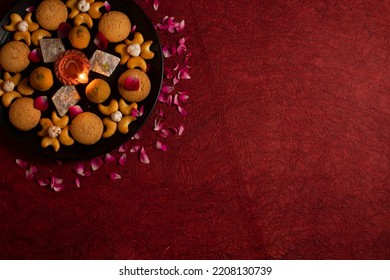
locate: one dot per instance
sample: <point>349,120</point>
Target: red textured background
<point>285,155</point>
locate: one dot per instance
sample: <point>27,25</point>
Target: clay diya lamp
<point>72,68</point>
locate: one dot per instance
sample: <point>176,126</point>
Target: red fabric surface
<point>285,154</point>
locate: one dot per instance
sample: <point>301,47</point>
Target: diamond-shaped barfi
<point>51,49</point>
<point>65,97</point>
<point>104,63</point>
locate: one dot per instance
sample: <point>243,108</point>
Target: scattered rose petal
<point>136,136</point>
<point>135,149</point>
<point>161,146</point>
<point>175,80</point>
<point>101,41</point>
<point>79,168</point>
<point>63,30</point>
<point>41,103</point>
<point>182,111</point>
<point>169,73</point>
<point>123,159</point>
<point>181,26</point>
<point>158,125</point>
<point>96,163</point>
<point>115,176</point>
<point>167,89</point>
<point>43,183</point>
<point>122,148</point>
<point>21,163</point>
<point>77,182</point>
<point>180,129</point>
<point>176,100</point>
<point>29,175</point>
<point>74,111</point>
<point>35,55</point>
<point>168,51</point>
<point>134,28</point>
<point>31,9</point>
<point>183,74</point>
<point>143,156</point>
<point>33,169</point>
<point>160,113</point>
<point>155,4</point>
<point>132,83</point>
<point>57,184</point>
<point>109,158</point>
<point>107,6</point>
<point>164,133</point>
<point>137,113</point>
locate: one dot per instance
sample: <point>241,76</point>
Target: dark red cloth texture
<point>285,154</point>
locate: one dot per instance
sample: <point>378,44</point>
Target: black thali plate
<point>30,140</point>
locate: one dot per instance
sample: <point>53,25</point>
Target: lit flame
<point>83,78</point>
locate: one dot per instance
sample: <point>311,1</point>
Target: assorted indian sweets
<point>35,61</point>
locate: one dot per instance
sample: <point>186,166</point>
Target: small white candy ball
<point>23,26</point>
<point>54,131</point>
<point>116,116</point>
<point>8,86</point>
<point>84,6</point>
<point>134,49</point>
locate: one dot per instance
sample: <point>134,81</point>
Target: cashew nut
<point>74,9</point>
<point>64,137</point>
<point>47,141</point>
<point>38,35</point>
<point>123,125</point>
<point>32,26</point>
<point>137,62</point>
<point>23,87</point>
<point>8,97</point>
<point>1,87</point>
<point>83,18</point>
<point>110,108</point>
<point>126,108</point>
<point>46,124</point>
<point>13,26</point>
<point>110,127</point>
<point>60,122</point>
<point>138,39</point>
<point>146,53</point>
<point>122,50</point>
<point>25,36</point>
<point>94,10</point>
<point>15,78</point>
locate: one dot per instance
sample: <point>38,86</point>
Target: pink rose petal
<point>160,113</point>
<point>182,111</point>
<point>168,51</point>
<point>41,103</point>
<point>101,41</point>
<point>158,125</point>
<point>107,6</point>
<point>122,148</point>
<point>43,183</point>
<point>143,156</point>
<point>77,182</point>
<point>123,159</point>
<point>167,89</point>
<point>74,111</point>
<point>135,149</point>
<point>63,30</point>
<point>33,169</point>
<point>57,184</point>
<point>79,168</point>
<point>180,130</point>
<point>109,158</point>
<point>183,74</point>
<point>163,133</point>
<point>181,26</point>
<point>29,175</point>
<point>134,28</point>
<point>137,113</point>
<point>132,83</point>
<point>35,55</point>
<point>31,9</point>
<point>137,136</point>
<point>114,176</point>
<point>155,4</point>
<point>21,163</point>
<point>96,163</point>
<point>161,146</point>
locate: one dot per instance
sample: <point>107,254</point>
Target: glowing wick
<point>83,78</point>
